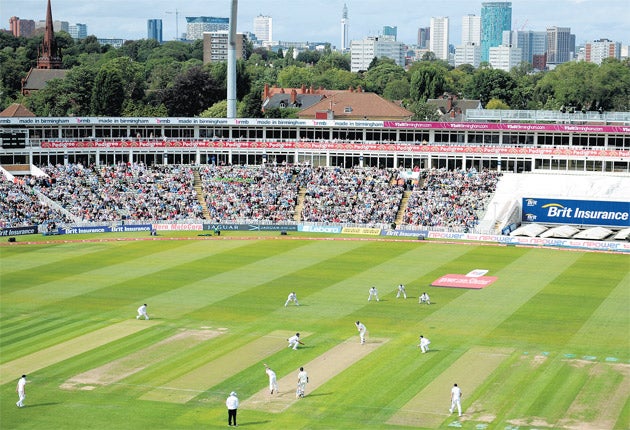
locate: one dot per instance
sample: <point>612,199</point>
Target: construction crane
<point>176,13</point>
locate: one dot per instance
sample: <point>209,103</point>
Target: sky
<point>319,20</point>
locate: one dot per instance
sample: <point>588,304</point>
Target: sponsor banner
<point>129,228</point>
<point>177,227</point>
<point>476,273</point>
<point>84,230</point>
<point>618,246</point>
<point>361,230</point>
<point>463,281</point>
<point>18,231</point>
<point>249,227</point>
<point>336,146</point>
<point>428,125</point>
<point>580,212</point>
<point>405,233</point>
<point>320,228</point>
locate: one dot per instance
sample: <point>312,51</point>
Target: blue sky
<point>319,20</point>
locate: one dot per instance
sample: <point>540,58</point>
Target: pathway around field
<point>429,408</point>
<point>190,385</point>
<point>46,357</point>
<point>126,366</point>
<point>320,370</point>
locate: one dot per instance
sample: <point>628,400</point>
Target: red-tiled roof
<point>16,110</point>
<point>357,105</point>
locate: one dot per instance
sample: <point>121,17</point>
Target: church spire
<point>49,52</point>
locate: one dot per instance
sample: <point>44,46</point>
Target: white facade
<point>439,37</point>
<point>504,57</point>
<point>468,54</point>
<point>598,50</point>
<point>263,29</point>
<point>362,52</point>
<point>471,30</point>
<point>344,30</point>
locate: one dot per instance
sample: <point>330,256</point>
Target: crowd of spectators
<point>20,206</point>
<point>450,198</point>
<point>232,193</point>
<point>125,191</point>
<point>266,192</point>
<point>356,196</point>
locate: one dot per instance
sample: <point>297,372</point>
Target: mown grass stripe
<point>190,385</point>
<point>429,408</point>
<point>86,277</point>
<point>63,351</point>
<point>320,370</point>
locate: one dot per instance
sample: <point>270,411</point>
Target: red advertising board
<point>463,281</point>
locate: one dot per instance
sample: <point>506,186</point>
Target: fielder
<point>424,344</point>
<point>301,383</point>
<point>21,391</point>
<point>401,290</point>
<point>424,298</point>
<point>362,329</point>
<point>456,400</point>
<point>273,383</point>
<point>292,298</point>
<point>294,341</point>
<point>373,294</point>
<point>142,312</point>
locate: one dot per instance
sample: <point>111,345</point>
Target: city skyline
<point>319,21</point>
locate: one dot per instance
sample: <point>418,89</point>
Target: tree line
<point>145,78</point>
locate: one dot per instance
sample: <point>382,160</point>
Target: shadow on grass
<point>37,405</point>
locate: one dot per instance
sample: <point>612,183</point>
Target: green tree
<point>487,84</point>
<point>295,77</point>
<point>217,110</point>
<point>398,89</point>
<point>384,71</point>
<point>422,111</point>
<point>108,93</point>
<point>427,81</point>
<point>497,104</point>
<point>193,91</point>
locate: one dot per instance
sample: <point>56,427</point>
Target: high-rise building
<point>263,29</point>
<point>345,42</point>
<point>438,43</point>
<point>215,46</point>
<point>598,50</point>
<point>504,57</point>
<point>471,30</point>
<point>57,26</point>
<point>496,17</point>
<point>468,54</point>
<point>390,31</point>
<point>21,27</point>
<point>424,35</point>
<point>78,31</point>
<point>531,43</point>
<point>197,25</point>
<point>560,45</point>
<point>154,29</point>
<point>362,52</point>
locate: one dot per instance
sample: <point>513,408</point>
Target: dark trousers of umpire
<point>232,416</point>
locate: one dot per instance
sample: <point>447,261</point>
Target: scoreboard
<point>13,139</point>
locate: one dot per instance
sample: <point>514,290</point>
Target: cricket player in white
<point>456,400</point>
<point>294,341</point>
<point>424,298</point>
<point>301,384</point>
<point>273,384</point>
<point>292,298</point>
<point>401,290</point>
<point>362,329</point>
<point>21,391</point>
<point>142,312</point>
<point>373,294</point>
<point>424,344</point>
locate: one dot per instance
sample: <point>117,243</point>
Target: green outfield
<point>547,346</point>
